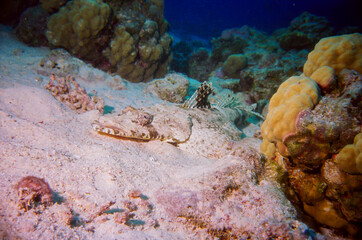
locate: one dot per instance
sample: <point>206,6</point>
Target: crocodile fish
<point>200,131</point>
<point>160,122</point>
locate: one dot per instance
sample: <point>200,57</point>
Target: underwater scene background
<point>153,119</point>
<point>207,19</point>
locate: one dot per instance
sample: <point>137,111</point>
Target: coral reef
<point>140,48</point>
<point>227,45</point>
<point>305,31</point>
<point>33,191</point>
<point>13,10</point>
<point>31,27</point>
<point>173,87</point>
<point>74,97</point>
<point>267,63</point>
<point>313,149</point>
<point>266,70</point>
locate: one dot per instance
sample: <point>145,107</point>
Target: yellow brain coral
<point>293,96</point>
<point>338,52</point>
<point>325,77</point>
<point>349,158</point>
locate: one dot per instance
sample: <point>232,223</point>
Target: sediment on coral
<point>173,87</point>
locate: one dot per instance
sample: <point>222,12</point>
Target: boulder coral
<point>233,65</point>
<point>349,159</point>
<point>32,25</point>
<point>140,48</point>
<point>313,134</point>
<point>76,24</point>
<point>337,52</point>
<point>293,96</point>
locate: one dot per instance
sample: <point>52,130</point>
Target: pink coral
<point>74,97</point>
<point>33,191</point>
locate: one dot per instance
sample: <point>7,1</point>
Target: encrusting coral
<point>74,97</point>
<point>314,139</point>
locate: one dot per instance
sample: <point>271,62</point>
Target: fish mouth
<point>120,133</point>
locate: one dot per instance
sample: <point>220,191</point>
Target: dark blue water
<point>207,18</point>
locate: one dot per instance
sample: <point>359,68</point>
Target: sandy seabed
<point>109,188</point>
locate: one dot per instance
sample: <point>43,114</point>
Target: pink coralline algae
<point>33,191</point>
<point>69,92</point>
